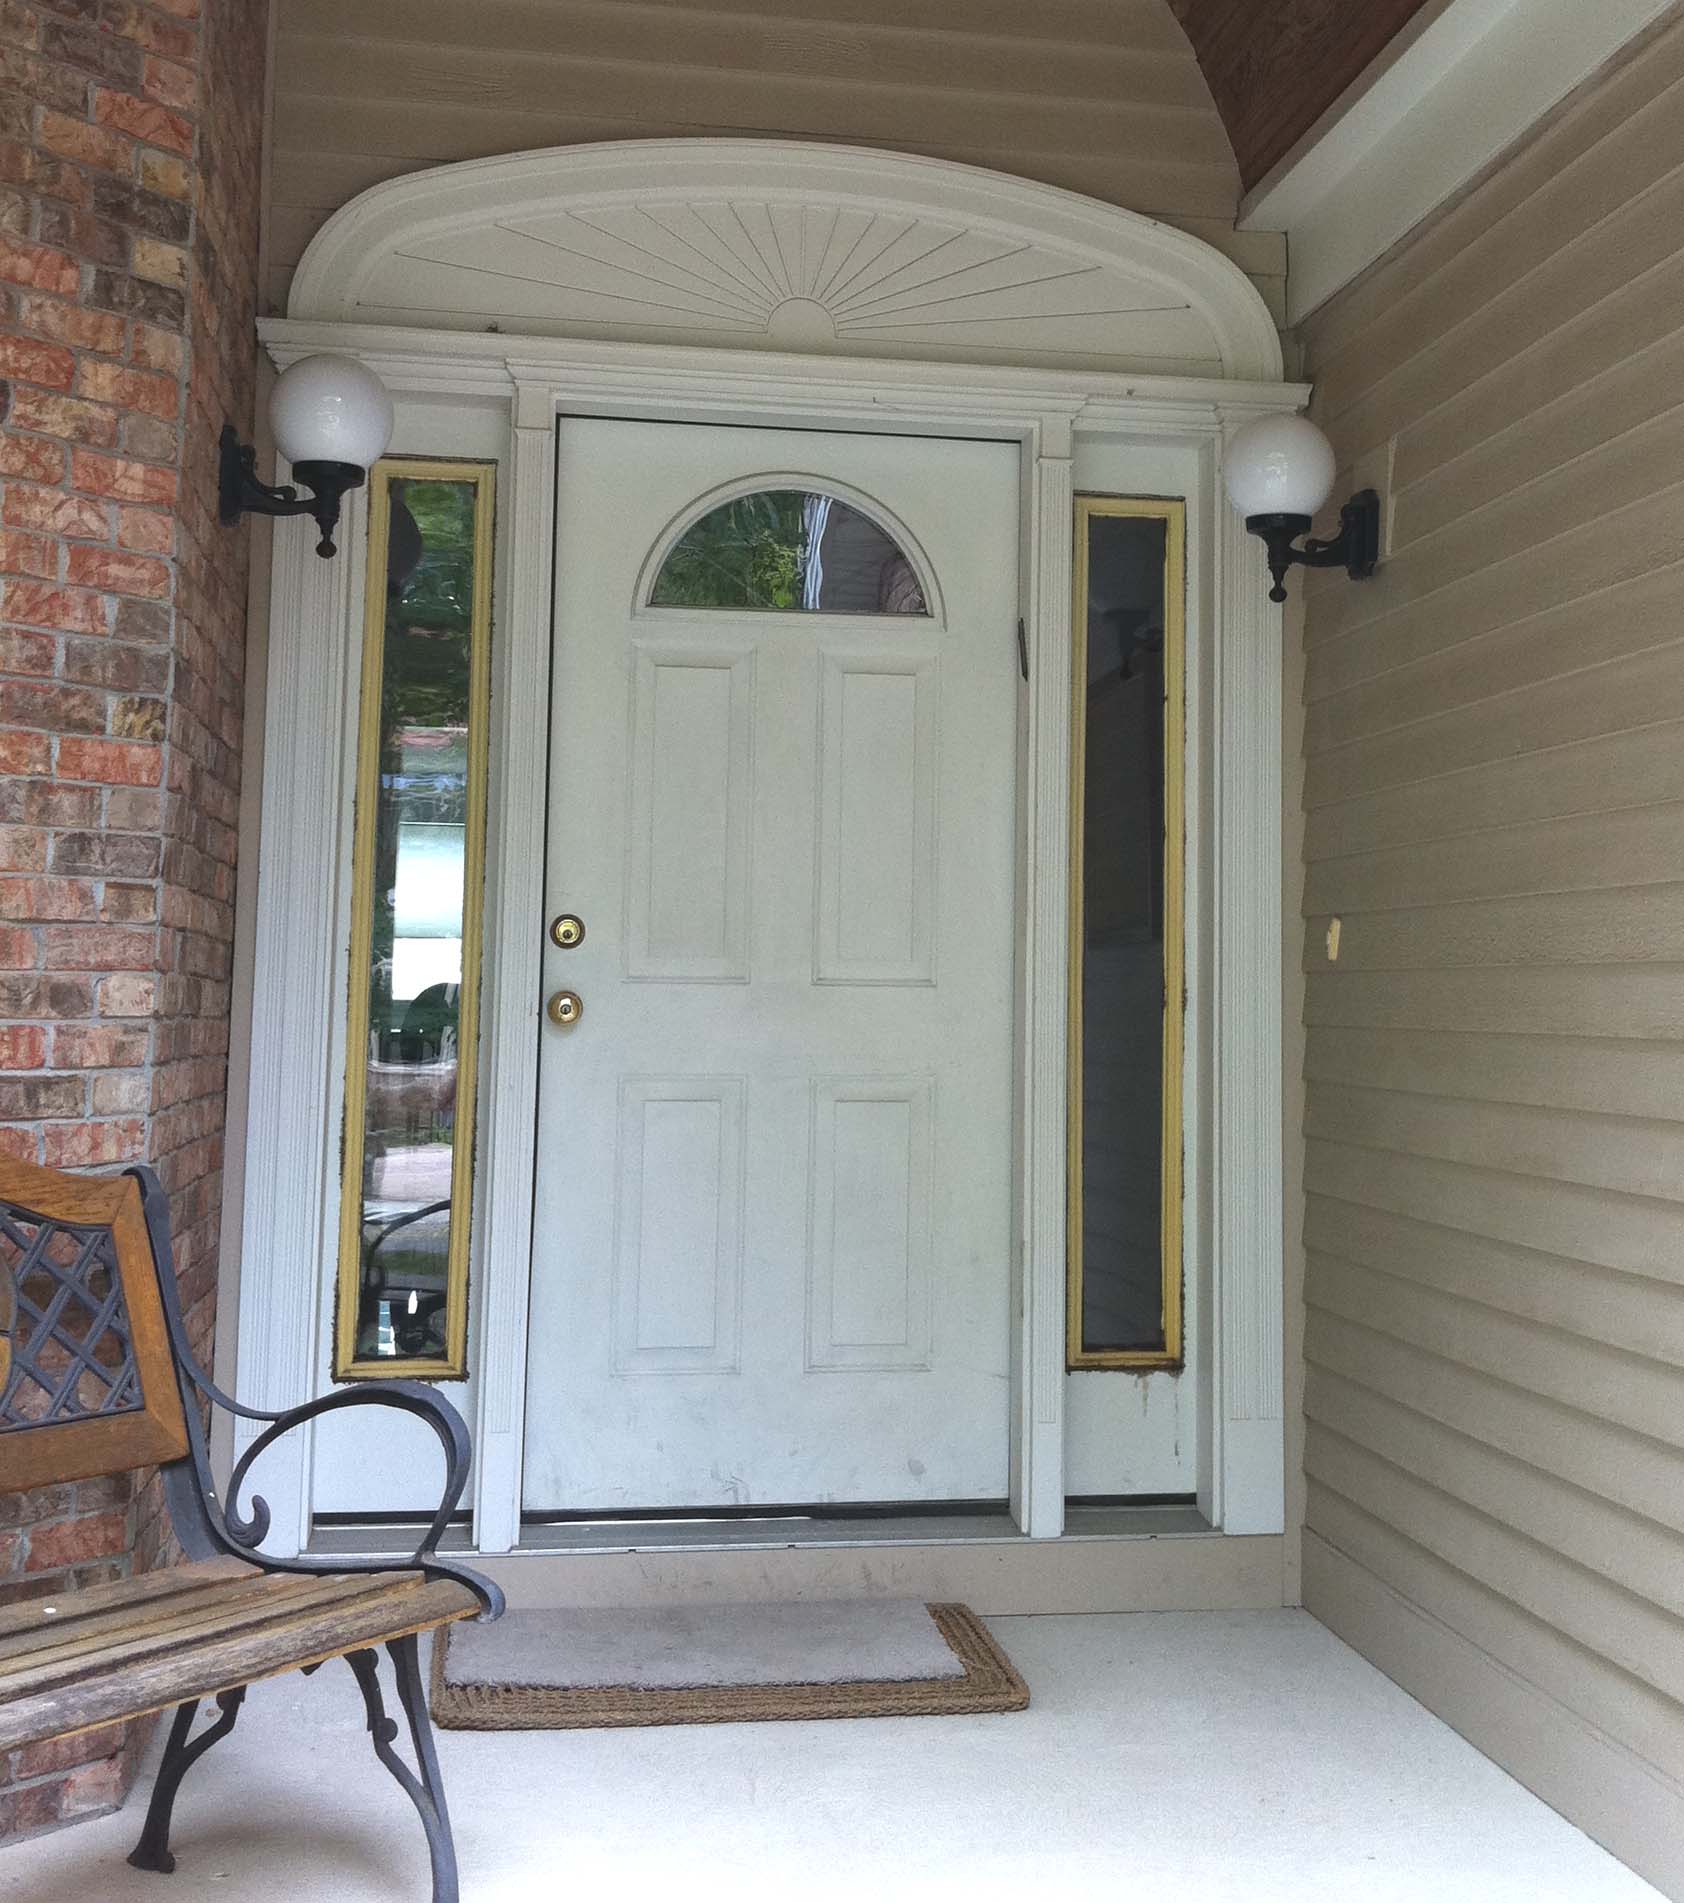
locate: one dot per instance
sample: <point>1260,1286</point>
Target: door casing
<point>470,388</point>
<point>1234,1129</point>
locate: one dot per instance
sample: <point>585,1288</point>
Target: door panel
<point>773,1254</point>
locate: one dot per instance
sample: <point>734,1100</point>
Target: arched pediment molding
<point>781,245</point>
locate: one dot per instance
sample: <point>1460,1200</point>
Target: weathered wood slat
<point>41,1624</point>
<point>168,1582</point>
<point>66,1644</point>
<point>279,1630</point>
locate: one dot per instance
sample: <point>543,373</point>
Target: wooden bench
<point>97,1377</point>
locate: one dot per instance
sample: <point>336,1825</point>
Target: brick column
<point>130,141</point>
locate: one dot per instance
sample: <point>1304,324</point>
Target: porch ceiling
<point>1275,66</point>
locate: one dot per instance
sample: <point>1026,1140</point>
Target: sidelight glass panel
<point>415,933</point>
<point>789,551</point>
<point>1126,963</point>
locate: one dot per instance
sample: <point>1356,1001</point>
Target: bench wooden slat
<point>65,1644</point>
<point>23,1615</point>
<point>64,1654</point>
<point>126,1677</point>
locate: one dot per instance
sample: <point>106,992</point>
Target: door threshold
<point>776,1533</point>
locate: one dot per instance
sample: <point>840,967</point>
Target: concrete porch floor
<point>1202,1755</point>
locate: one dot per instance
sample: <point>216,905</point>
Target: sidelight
<point>415,931</point>
<point>1127,986</point>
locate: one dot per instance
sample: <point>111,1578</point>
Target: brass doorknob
<point>564,1010</point>
<point>567,931</point>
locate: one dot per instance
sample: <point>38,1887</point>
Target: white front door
<point>772,1242</point>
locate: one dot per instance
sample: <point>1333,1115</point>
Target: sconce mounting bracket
<point>241,493</point>
<point>1356,548</point>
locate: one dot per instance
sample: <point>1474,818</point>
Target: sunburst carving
<point>802,277</point>
<point>767,245</point>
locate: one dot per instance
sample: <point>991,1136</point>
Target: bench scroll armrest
<point>246,1530</point>
<point>206,1525</point>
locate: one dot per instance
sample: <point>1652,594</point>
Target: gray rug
<point>824,1643</point>
<point>712,1664</point>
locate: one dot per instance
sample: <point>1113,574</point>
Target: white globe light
<point>1279,465</point>
<point>331,410</point>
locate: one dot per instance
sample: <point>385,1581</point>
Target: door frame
<point>453,384</point>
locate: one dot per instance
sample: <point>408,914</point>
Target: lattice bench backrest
<point>87,1378</point>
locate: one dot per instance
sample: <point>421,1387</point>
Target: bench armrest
<point>206,1525</point>
<point>246,1530</point>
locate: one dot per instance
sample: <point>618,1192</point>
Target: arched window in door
<point>789,551</point>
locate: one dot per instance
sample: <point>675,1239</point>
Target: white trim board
<point>1459,92</point>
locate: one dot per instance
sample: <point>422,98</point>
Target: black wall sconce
<point>1278,472</point>
<point>332,419</point>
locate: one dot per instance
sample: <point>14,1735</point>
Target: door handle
<point>564,1010</point>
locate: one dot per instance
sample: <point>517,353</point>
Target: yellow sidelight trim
<point>453,1364</point>
<point>1173,514</point>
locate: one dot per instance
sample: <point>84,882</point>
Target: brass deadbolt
<point>564,1010</point>
<point>567,931</point>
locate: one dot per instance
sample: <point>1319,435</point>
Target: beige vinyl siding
<point>1099,96</point>
<point>1494,1068</point>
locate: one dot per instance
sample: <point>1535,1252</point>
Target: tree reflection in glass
<point>789,551</point>
<point>414,1152</point>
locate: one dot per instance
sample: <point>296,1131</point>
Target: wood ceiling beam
<point>1275,66</point>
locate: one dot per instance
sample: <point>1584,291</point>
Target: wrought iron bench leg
<point>426,1792</point>
<point>153,1850</point>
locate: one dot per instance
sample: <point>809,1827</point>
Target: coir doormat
<point>711,1665</point>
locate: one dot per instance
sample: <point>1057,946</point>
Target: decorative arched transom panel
<point>765,244</point>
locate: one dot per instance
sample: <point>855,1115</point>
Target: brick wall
<point>130,139</point>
